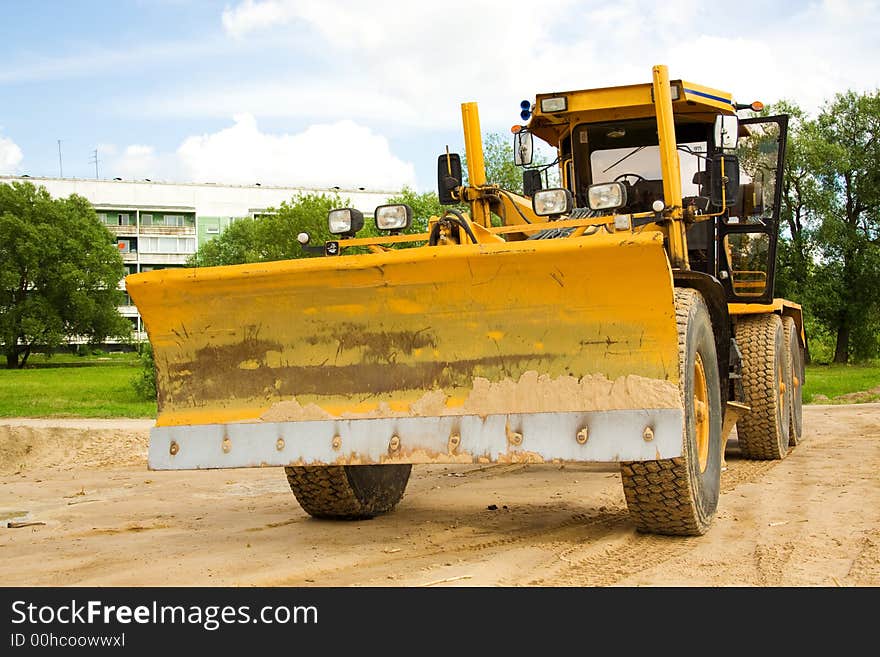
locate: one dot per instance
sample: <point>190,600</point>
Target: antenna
<point>95,160</point>
<point>60,167</point>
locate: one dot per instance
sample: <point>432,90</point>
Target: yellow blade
<point>543,325</point>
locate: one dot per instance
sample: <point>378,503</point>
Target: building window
<point>173,220</point>
<point>147,219</point>
<point>123,219</point>
<point>213,230</point>
<point>168,245</point>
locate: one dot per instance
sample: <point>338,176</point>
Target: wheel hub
<point>701,413</point>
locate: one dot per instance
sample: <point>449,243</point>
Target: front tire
<point>348,492</point>
<point>679,496</point>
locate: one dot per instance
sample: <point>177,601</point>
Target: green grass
<point>66,385</point>
<point>835,380</point>
<point>66,359</point>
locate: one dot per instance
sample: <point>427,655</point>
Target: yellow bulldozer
<point>626,316</point>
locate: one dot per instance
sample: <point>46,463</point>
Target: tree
<point>273,235</point>
<point>846,159</point>
<point>59,271</point>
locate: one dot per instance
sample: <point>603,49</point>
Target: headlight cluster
<point>549,202</point>
<point>345,221</point>
<point>393,217</point>
<point>348,221</point>
<point>607,196</point>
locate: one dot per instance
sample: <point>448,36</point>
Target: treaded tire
<point>796,354</point>
<point>763,432</point>
<point>348,492</point>
<point>673,496</point>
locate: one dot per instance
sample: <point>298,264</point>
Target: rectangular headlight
<point>393,217</point>
<point>552,201</point>
<point>607,196</point>
<point>345,221</point>
<point>555,104</point>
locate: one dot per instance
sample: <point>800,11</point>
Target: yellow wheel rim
<point>781,375</point>
<point>701,412</point>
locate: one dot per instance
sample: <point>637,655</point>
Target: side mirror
<point>723,188</point>
<point>532,182</point>
<point>448,178</point>
<point>726,131</point>
<point>523,145</point>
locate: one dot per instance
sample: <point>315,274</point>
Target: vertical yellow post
<point>476,165</point>
<point>670,167</point>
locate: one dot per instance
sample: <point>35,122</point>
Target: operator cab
<point>608,138</point>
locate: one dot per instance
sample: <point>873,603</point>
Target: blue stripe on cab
<point>709,96</point>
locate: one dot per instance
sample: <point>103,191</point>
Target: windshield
<point>628,152</point>
<point>644,161</point>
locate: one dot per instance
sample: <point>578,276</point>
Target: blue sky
<point>340,92</point>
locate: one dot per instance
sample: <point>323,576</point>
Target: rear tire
<point>679,496</point>
<point>348,492</point>
<point>796,353</point>
<point>763,432</point>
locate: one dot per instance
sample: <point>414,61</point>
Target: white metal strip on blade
<point>610,436</point>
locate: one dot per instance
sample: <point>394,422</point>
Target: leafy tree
<point>846,159</point>
<point>272,236</point>
<point>59,271</point>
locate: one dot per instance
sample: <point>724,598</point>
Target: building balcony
<point>131,256</point>
<point>164,258</point>
<point>123,231</point>
<point>127,311</point>
<point>139,336</point>
<point>132,231</point>
<point>168,230</point>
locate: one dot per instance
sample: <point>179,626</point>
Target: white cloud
<point>424,59</point>
<point>250,16</point>
<point>10,155</point>
<point>139,161</point>
<point>323,155</point>
<point>342,153</point>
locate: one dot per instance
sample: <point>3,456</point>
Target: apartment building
<point>161,224</point>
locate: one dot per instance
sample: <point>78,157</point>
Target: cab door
<point>748,233</point>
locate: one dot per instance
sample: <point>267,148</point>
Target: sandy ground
<point>810,520</point>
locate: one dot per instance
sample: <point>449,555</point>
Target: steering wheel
<point>627,175</point>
